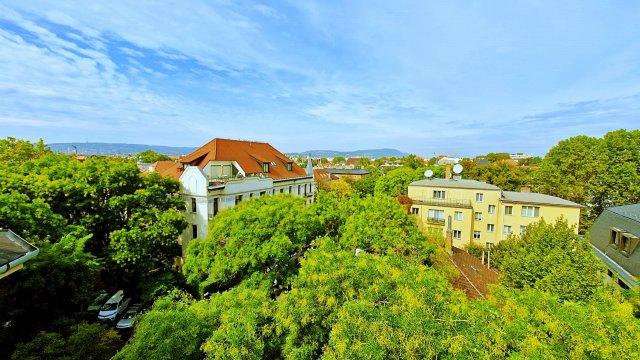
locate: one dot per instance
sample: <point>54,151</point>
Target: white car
<point>113,307</point>
<point>127,319</point>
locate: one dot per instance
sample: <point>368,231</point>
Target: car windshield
<point>109,306</point>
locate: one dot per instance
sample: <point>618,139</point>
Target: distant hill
<point>132,149</point>
<point>371,153</point>
<point>117,149</point>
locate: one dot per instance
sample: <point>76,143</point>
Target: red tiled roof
<point>321,174</point>
<point>352,161</point>
<point>168,168</point>
<point>475,277</point>
<point>250,155</point>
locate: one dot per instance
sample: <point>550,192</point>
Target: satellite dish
<point>428,173</point>
<point>457,168</point>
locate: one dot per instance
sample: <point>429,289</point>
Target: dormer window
<point>289,166</point>
<point>265,167</point>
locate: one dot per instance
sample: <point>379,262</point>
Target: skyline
<point>452,79</point>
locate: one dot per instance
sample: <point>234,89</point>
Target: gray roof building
<point>614,238</point>
<point>536,198</point>
<point>456,184</point>
<point>14,251</point>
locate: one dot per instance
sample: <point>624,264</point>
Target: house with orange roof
<point>223,173</point>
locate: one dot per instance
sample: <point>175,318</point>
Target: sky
<point>461,78</point>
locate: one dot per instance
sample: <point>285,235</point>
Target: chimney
<point>525,189</point>
<point>447,171</point>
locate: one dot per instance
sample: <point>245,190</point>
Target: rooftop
<point>250,155</point>
<point>14,250</point>
<point>348,171</point>
<point>629,211</point>
<point>536,198</point>
<point>457,184</point>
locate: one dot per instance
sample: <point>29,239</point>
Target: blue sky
<point>459,78</point>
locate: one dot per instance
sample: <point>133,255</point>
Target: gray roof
<point>14,250</point>
<point>600,233</point>
<point>536,198</point>
<point>629,211</point>
<point>348,171</point>
<point>457,184</point>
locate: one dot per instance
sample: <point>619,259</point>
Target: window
<point>479,197</point>
<point>238,199</point>
<point>193,205</point>
<point>281,190</point>
<point>476,235</point>
<point>290,188</point>
<point>625,241</point>
<point>289,166</point>
<point>415,211</point>
<point>530,211</point>
<point>614,239</point>
<point>478,216</point>
<point>491,228</point>
<point>299,187</point>
<point>457,234</point>
<point>609,273</point>
<point>492,209</point>
<point>250,195</point>
<point>522,229</point>
<point>438,194</point>
<point>194,231</point>
<point>436,216</point>
<point>215,206</point>
<point>263,193</point>
<point>508,210</point>
<point>622,284</point>
<point>506,229</point>
<point>458,215</point>
<point>265,167</point>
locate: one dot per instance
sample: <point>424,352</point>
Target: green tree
<point>149,156</point>
<point>551,257</point>
<point>501,174</point>
<point>366,185</point>
<point>18,151</point>
<point>412,161</point>
<point>493,157</point>
<point>338,159</point>
<point>33,220</point>
<point>265,235</point>
<point>396,182</point>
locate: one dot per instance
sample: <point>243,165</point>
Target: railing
<point>456,203</point>
<point>435,221</point>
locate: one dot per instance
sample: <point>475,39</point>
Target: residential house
<point>223,172</point>
<point>470,211</point>
<point>614,239</point>
<point>14,252</point>
<point>447,160</point>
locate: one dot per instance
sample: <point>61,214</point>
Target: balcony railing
<point>455,203</point>
<point>435,221</point>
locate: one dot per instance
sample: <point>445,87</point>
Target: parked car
<point>113,307</point>
<point>97,303</point>
<point>127,319</point>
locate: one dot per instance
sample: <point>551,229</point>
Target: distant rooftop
<point>536,198</point>
<point>456,184</point>
<point>348,171</point>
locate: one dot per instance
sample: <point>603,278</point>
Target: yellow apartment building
<point>477,212</point>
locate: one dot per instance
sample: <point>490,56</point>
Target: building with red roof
<point>224,172</point>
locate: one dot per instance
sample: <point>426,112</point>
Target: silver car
<point>126,321</point>
<point>113,307</point>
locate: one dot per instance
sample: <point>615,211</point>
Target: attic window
<point>614,238</point>
<point>273,163</point>
<point>289,166</point>
<point>628,243</point>
<point>265,167</point>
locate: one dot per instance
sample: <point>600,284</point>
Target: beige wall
<point>465,201</point>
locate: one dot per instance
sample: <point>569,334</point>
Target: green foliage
<point>396,182</point>
<point>597,173</point>
<point>149,156</point>
<point>338,160</point>
<point>412,161</point>
<point>366,186</point>
<point>551,257</point>
<point>15,150</point>
<point>55,284</point>
<point>501,174</point>
<point>493,157</point>
<point>261,235</point>
<point>33,220</point>
<point>85,342</point>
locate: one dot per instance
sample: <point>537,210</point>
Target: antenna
<point>457,169</point>
<point>428,173</point>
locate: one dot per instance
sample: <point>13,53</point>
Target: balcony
<point>452,203</point>
<point>435,221</point>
